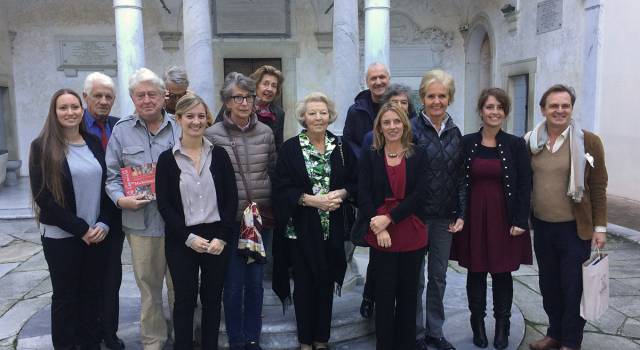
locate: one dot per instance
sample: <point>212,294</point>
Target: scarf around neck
<point>537,140</point>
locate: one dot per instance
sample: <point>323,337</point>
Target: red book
<point>138,180</point>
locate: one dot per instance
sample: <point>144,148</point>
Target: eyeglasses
<point>171,95</point>
<point>239,99</point>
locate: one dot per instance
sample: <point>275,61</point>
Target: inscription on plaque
<point>251,18</point>
<point>549,16</point>
<point>87,53</point>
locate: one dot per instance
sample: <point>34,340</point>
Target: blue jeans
<point>242,297</point>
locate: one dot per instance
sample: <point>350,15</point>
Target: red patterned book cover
<point>138,180</point>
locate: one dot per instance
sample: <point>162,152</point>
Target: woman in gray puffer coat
<point>251,147</point>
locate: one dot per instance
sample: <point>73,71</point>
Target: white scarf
<point>537,140</point>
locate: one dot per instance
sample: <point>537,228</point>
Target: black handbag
<point>355,227</point>
<point>347,207</point>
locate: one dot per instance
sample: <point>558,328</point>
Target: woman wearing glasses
<point>252,150</point>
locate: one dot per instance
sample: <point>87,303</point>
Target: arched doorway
<point>479,60</point>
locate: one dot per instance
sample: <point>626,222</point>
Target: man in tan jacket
<point>569,213</point>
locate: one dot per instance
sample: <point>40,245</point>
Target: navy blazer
<point>51,212</point>
<point>516,174</point>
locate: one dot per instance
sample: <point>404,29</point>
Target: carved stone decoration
<point>170,40</point>
<point>325,41</point>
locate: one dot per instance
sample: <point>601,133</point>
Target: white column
<point>376,32</point>
<point>589,96</point>
<point>130,46</point>
<point>198,49</point>
<point>346,75</point>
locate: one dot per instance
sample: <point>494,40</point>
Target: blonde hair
<point>188,102</point>
<point>437,76</point>
<point>301,108</point>
<point>407,134</point>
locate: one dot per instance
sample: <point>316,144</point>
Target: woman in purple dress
<point>495,238</point>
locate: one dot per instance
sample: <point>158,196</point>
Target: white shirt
<point>559,140</point>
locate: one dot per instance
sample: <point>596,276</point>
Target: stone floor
<point>25,288</point>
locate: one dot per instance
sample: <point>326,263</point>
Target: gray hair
<point>176,75</point>
<point>97,78</point>
<point>373,64</point>
<point>145,75</point>
<point>397,90</point>
<point>239,80</point>
<point>301,107</point>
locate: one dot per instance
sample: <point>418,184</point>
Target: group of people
<point>420,188</point>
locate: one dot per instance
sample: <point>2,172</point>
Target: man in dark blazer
<point>99,96</point>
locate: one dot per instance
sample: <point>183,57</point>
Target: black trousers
<point>75,271</point>
<point>369,284</point>
<point>396,280</point>
<point>185,264</point>
<point>502,286</point>
<point>111,280</point>
<point>312,299</point>
<point>560,254</point>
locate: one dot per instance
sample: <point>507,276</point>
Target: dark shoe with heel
<point>501,338</point>
<point>479,332</point>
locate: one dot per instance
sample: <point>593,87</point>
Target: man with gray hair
<point>176,84</point>
<point>365,107</point>
<point>99,95</point>
<point>137,140</point>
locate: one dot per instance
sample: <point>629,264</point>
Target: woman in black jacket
<point>315,174</point>
<point>197,198</point>
<point>67,174</point>
<point>495,238</point>
<point>391,192</point>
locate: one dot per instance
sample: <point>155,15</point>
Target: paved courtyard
<point>25,288</point>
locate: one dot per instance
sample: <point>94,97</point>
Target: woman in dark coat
<point>391,191</point>
<point>67,174</point>
<point>315,174</point>
<point>197,198</point>
<point>495,238</point>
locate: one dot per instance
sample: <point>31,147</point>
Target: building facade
<point>523,46</point>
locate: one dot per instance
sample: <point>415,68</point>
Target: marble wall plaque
<point>86,53</point>
<point>251,18</point>
<point>549,16</point>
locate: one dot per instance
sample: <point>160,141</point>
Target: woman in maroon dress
<point>495,238</point>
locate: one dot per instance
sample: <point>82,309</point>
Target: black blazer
<point>516,176</point>
<point>170,201</point>
<point>52,213</point>
<point>374,187</point>
<point>290,181</point>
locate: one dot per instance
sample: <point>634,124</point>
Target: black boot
<point>477,296</point>
<point>502,299</point>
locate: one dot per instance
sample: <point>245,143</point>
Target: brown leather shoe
<point>545,343</point>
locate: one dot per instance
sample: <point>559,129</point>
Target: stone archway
<point>479,68</point>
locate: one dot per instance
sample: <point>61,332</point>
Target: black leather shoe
<point>421,345</point>
<point>252,346</point>
<point>366,308</point>
<point>114,343</point>
<point>479,332</point>
<point>438,343</point>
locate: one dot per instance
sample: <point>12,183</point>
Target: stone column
<point>346,58</point>
<point>198,49</point>
<point>130,46</point>
<point>591,65</point>
<point>376,32</point>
